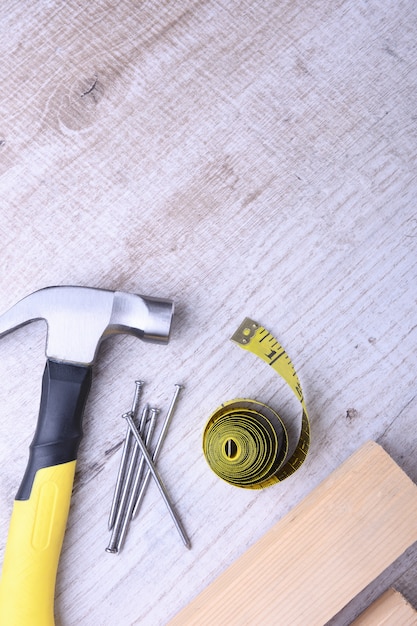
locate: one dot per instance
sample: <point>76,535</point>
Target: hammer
<point>77,318</point>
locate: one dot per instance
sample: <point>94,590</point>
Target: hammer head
<point>78,318</point>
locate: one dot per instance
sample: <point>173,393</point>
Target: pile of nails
<point>137,465</point>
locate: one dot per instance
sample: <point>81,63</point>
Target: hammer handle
<point>40,511</point>
<point>59,429</point>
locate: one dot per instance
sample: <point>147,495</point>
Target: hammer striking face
<point>77,318</point>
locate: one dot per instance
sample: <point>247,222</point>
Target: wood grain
<point>390,609</point>
<point>244,159</point>
<point>401,573</point>
<point>321,554</point>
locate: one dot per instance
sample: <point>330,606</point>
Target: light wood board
<point>321,554</point>
<point>391,609</point>
<point>243,158</point>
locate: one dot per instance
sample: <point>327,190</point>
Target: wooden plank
<point>401,575</point>
<point>321,554</point>
<point>390,609</point>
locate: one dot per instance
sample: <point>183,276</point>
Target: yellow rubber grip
<point>36,533</point>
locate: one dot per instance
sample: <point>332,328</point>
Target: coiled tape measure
<point>245,442</point>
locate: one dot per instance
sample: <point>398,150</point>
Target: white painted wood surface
<point>245,159</point>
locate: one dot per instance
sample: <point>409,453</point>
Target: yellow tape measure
<point>245,442</point>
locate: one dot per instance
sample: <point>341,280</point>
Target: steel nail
<point>158,480</point>
<point>158,447</point>
<point>125,486</point>
<point>135,402</point>
<point>123,461</point>
<point>136,484</point>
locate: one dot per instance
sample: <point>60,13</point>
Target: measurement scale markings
<point>264,465</point>
<point>277,357</point>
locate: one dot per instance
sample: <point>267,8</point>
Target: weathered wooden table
<point>244,159</point>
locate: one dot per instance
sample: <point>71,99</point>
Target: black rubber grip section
<point>59,431</point>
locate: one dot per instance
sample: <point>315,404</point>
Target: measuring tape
<point>245,442</point>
